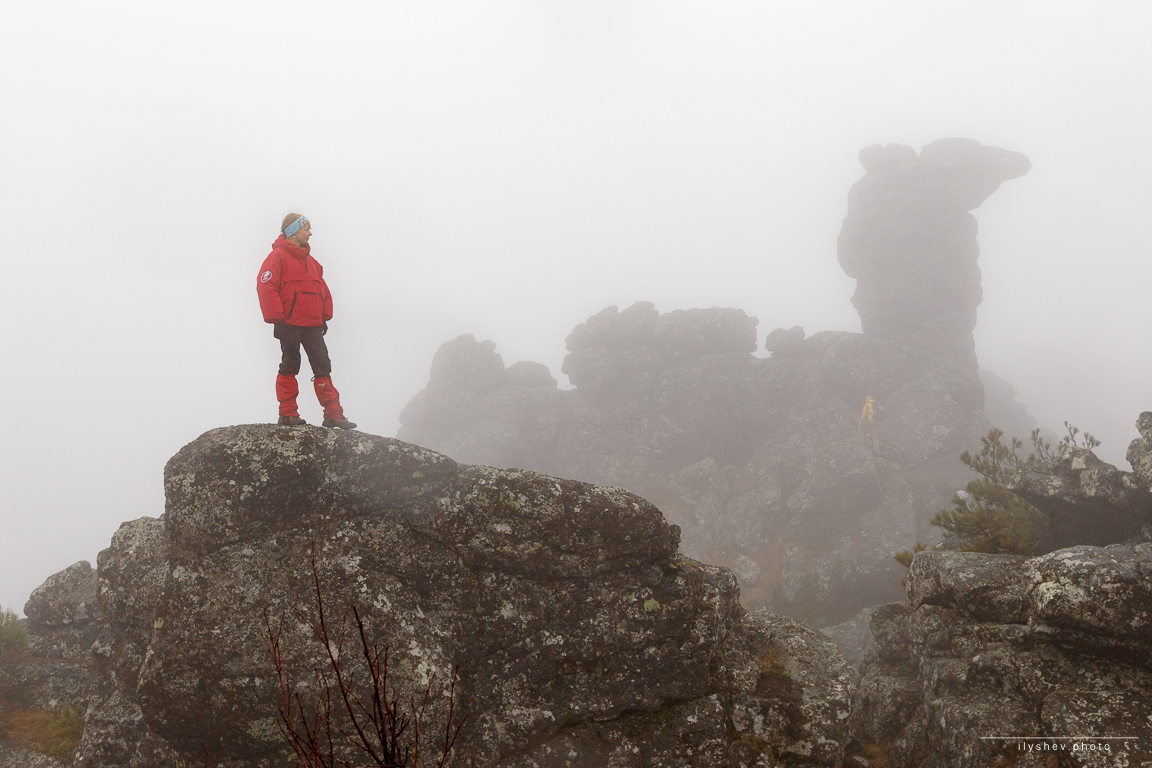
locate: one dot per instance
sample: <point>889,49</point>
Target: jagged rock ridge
<point>759,460</point>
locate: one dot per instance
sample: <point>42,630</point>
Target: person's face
<point>302,234</point>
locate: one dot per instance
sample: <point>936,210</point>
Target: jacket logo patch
<point>266,276</point>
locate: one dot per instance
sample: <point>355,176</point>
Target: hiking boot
<point>292,421</point>
<point>340,423</point>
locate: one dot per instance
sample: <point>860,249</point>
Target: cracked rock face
<point>1057,646</point>
<point>582,637</point>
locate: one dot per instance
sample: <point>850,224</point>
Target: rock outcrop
<point>1088,501</point>
<point>910,241</point>
<point>582,637</point>
<point>52,672</point>
<point>760,460</point>
<point>1002,660</point>
<point>19,757</point>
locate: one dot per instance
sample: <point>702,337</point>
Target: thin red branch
<point>378,728</point>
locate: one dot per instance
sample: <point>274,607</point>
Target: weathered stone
<point>132,572</point>
<point>910,242</point>
<point>1096,592</point>
<point>52,671</point>
<point>18,757</point>
<point>117,734</point>
<point>43,683</point>
<point>761,462</point>
<point>1088,501</point>
<point>890,631</point>
<point>986,587</point>
<point>581,636</point>
<point>781,341</point>
<point>887,699</point>
<point>689,735</point>
<point>64,598</point>
<point>1140,453</point>
<point>758,461</point>
<point>791,692</point>
<point>1002,408</point>
<point>958,665</point>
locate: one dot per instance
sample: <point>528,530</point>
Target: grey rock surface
<point>1140,452</point>
<point>792,693</point>
<point>910,241</point>
<point>760,461</point>
<point>1046,649</point>
<point>581,635</point>
<point>52,672</point>
<point>132,572</point>
<point>1088,501</point>
<point>64,598</point>
<point>12,756</point>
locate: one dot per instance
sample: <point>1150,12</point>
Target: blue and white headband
<point>294,227</point>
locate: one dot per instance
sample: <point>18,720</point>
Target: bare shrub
<point>353,723</point>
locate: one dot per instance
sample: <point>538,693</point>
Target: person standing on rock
<point>868,424</point>
<point>296,300</point>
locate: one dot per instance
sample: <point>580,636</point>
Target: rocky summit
<point>762,461</point>
<point>581,636</point>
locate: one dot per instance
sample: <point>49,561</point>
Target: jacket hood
<point>294,251</point>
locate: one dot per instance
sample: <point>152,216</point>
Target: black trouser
<point>291,337</point>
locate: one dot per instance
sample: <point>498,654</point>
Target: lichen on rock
<point>581,635</point>
<point>1044,651</point>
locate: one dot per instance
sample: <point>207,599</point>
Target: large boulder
<point>1002,660</point>
<point>581,636</point>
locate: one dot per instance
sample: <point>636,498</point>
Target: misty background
<point>507,169</point>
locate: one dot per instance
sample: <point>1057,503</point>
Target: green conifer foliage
<point>11,631</point>
<point>992,518</point>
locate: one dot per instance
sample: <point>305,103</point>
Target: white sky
<point>508,169</point>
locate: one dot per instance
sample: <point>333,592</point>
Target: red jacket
<point>291,287</point>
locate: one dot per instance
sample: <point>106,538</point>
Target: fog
<point>507,169</point>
